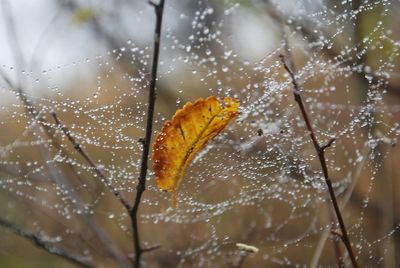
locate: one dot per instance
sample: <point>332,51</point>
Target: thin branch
<point>43,244</point>
<point>335,242</point>
<point>103,236</point>
<point>342,204</point>
<point>141,186</point>
<point>60,179</point>
<point>321,155</point>
<point>329,144</point>
<point>91,162</point>
<point>32,112</point>
<point>145,250</point>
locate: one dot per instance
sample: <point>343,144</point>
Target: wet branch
<point>60,179</point>
<point>91,162</point>
<point>141,186</point>
<point>321,155</point>
<point>31,111</point>
<point>43,244</point>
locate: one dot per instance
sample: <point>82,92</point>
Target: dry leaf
<point>185,135</point>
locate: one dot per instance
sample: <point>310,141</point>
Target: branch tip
<point>337,233</point>
<point>329,144</point>
<point>154,4</point>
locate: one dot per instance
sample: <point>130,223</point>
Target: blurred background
<point>259,182</point>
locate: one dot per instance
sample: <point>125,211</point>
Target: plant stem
<point>141,187</point>
<point>91,162</point>
<point>321,155</point>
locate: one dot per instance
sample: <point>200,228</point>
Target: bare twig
<point>145,250</point>
<point>342,204</point>
<point>321,155</point>
<point>329,144</point>
<point>91,162</point>
<point>59,178</point>
<point>43,244</point>
<point>104,238</point>
<point>335,242</point>
<point>141,186</point>
<point>336,238</point>
<point>32,112</point>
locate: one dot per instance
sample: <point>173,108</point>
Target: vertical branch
<point>335,240</point>
<point>321,156</point>
<point>342,204</point>
<point>141,187</point>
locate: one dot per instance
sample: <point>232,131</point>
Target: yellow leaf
<point>185,135</point>
<point>83,15</point>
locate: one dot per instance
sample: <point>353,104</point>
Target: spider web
<point>259,182</point>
